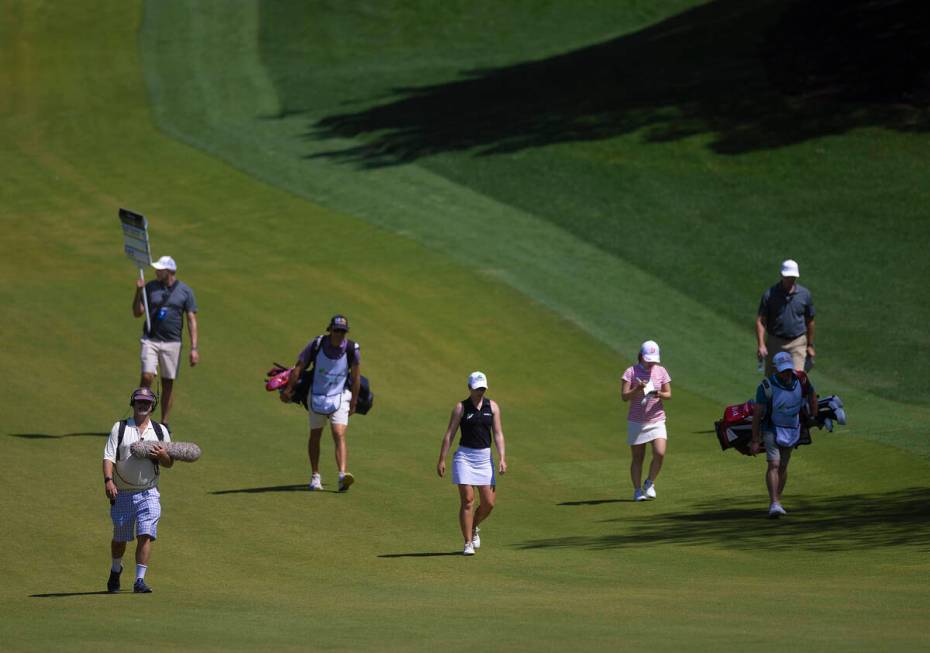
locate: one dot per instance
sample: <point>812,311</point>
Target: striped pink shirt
<point>653,411</point>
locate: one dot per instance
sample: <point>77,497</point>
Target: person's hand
<point>441,468</point>
<point>811,352</point>
<point>110,489</point>
<point>140,283</point>
<point>195,357</point>
<point>352,407</point>
<point>503,466</point>
<point>159,452</point>
<point>762,352</point>
<point>755,447</point>
<point>287,394</point>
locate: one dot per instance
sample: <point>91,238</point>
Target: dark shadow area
<point>593,502</point>
<point>420,555</point>
<point>299,487</point>
<point>835,523</point>
<point>49,436</point>
<point>52,595</point>
<point>756,75</point>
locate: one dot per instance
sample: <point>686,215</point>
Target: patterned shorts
<point>135,513</point>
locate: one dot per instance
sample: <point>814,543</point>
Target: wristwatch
<point>107,479</point>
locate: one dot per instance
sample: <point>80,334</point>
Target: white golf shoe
<point>469,549</point>
<point>776,511</point>
<point>315,482</point>
<point>476,538</point>
<point>649,488</point>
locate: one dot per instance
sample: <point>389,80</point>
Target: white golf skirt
<point>472,467</point>
<point>637,433</point>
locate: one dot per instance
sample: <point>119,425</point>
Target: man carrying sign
<point>168,300</point>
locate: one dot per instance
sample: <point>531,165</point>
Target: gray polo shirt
<point>167,307</point>
<point>786,314</point>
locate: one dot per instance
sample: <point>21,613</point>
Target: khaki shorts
<point>164,356</point>
<point>774,452</point>
<point>341,416</point>
<point>796,347</point>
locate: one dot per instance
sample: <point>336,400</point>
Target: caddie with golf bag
<point>131,484</point>
<point>782,401</point>
<point>335,380</point>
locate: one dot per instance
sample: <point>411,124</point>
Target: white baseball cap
<point>783,361</point>
<point>789,268</point>
<point>165,263</point>
<point>650,351</point>
<point>477,380</point>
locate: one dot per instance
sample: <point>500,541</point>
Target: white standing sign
<point>136,246</point>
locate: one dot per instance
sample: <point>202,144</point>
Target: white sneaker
<point>476,539</point>
<point>315,482</point>
<point>650,489</point>
<point>469,549</point>
<point>639,495</point>
<point>776,511</point>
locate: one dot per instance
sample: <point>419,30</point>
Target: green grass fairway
<point>211,119</point>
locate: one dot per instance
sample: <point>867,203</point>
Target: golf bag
<point>276,379</point>
<point>734,431</point>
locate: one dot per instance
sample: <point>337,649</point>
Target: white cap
<point>650,351</point>
<point>783,361</point>
<point>789,268</point>
<point>165,263</point>
<point>477,380</point>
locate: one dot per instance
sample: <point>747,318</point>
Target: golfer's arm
<point>665,392</point>
<point>107,468</point>
<point>454,420</point>
<point>627,390</point>
<point>192,327</point>
<point>810,333</point>
<point>498,432</point>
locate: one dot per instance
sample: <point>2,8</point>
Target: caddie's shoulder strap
<point>314,350</point>
<point>767,388</point>
<point>119,438</point>
<point>159,432</point>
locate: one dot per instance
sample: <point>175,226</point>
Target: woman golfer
<point>472,465</point>
<point>645,385</point>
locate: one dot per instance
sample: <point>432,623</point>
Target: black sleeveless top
<point>477,425</point>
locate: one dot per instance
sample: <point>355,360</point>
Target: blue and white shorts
<point>135,513</point>
<point>472,467</point>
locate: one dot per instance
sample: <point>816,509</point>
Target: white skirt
<point>472,467</point>
<point>637,433</point>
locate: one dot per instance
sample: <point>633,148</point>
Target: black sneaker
<point>140,587</point>
<point>113,581</point>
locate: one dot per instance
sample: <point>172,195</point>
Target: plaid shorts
<point>135,513</point>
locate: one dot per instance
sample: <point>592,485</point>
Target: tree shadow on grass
<point>755,75</point>
<point>834,523</point>
<point>420,555</point>
<point>52,595</point>
<point>49,436</point>
<point>299,487</point>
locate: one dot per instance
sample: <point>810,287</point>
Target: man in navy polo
<point>785,321</point>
